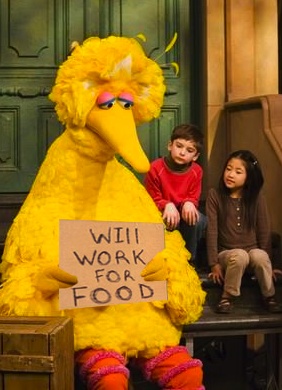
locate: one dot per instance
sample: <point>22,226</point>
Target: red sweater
<point>165,185</point>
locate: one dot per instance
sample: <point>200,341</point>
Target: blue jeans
<point>193,233</point>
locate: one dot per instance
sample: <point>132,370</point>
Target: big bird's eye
<point>125,99</point>
<point>106,100</point>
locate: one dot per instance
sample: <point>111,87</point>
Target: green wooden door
<point>35,37</point>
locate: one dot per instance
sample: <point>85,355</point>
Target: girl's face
<point>235,176</point>
<point>183,151</point>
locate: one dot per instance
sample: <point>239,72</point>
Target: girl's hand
<point>276,273</point>
<point>171,216</point>
<point>216,274</point>
<point>190,213</point>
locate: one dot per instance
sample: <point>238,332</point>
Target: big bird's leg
<point>102,370</point>
<point>174,368</point>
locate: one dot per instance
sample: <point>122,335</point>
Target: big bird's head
<point>109,86</point>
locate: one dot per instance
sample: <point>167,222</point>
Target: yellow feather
<point>142,37</point>
<point>169,46</point>
<point>171,43</point>
<point>175,66</point>
<point>73,45</point>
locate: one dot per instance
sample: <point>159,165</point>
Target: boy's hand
<point>171,216</point>
<point>190,213</point>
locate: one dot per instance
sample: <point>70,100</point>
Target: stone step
<point>250,292</point>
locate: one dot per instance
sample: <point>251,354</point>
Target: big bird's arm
<point>185,294</point>
<point>30,280</point>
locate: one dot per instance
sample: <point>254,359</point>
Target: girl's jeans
<point>236,261</point>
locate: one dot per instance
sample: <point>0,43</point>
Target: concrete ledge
<point>241,321</point>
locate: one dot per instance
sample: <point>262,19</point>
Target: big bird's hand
<point>156,269</point>
<point>51,279</point>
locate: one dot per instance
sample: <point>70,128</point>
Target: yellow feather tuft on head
<point>175,66</point>
<point>169,46</point>
<point>142,37</point>
<point>171,43</point>
<point>73,45</point>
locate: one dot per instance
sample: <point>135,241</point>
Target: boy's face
<point>183,151</point>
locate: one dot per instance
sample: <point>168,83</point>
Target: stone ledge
<point>241,321</point>
<point>247,280</point>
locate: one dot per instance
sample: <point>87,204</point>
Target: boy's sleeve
<point>153,186</point>
<point>195,188</point>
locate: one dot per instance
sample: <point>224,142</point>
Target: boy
<point>175,182</point>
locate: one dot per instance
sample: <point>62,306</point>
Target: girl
<point>238,231</point>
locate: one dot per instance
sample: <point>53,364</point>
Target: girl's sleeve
<point>263,228</point>
<point>212,227</point>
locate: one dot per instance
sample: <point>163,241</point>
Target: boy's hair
<point>189,133</point>
<point>253,184</point>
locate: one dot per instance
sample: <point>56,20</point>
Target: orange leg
<point>102,370</point>
<point>174,368</point>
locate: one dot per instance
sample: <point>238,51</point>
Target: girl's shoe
<point>272,305</point>
<point>224,306</point>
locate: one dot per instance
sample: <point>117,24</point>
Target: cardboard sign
<point>107,258</point>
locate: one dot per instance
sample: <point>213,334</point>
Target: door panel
<point>32,36</point>
<point>35,38</point>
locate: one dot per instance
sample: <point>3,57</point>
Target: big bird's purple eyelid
<point>104,99</point>
<point>125,97</point>
<point>124,100</point>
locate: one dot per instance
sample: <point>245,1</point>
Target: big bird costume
<point>102,91</point>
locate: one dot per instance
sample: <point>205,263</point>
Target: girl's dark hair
<point>253,184</point>
<point>189,133</point>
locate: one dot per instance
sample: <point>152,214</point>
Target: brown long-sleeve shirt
<point>229,232</point>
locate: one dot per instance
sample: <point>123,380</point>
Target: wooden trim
<point>17,363</point>
<point>10,205</point>
<point>12,199</point>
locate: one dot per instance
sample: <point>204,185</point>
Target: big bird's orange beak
<point>117,128</point>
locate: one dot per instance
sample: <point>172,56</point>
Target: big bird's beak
<point>117,128</point>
